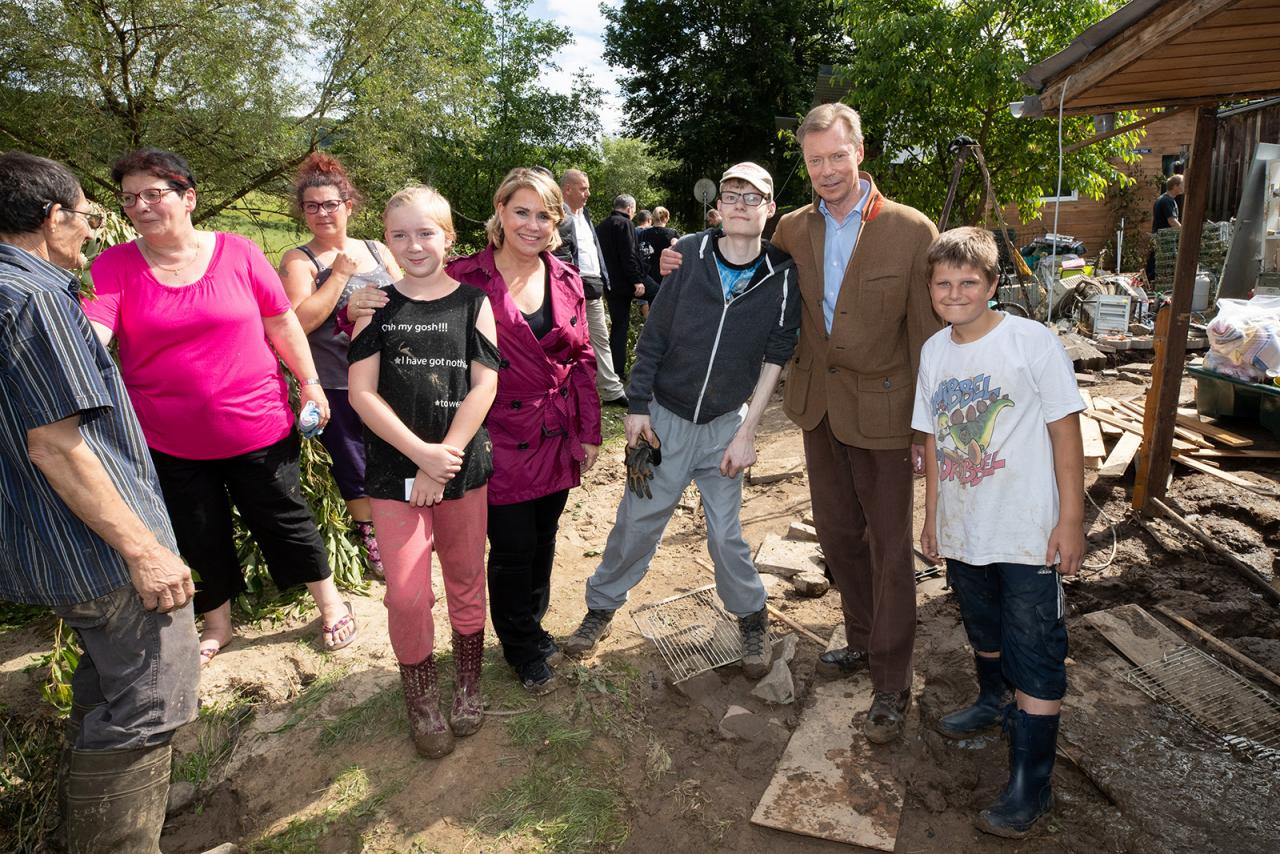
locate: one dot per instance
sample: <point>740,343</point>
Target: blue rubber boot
<point>1028,796</point>
<point>986,711</point>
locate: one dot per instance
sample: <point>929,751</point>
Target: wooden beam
<point>1117,463</point>
<point>1224,648</point>
<point>1124,129</point>
<point>1116,103</point>
<point>1246,572</point>
<point>1210,467</point>
<point>1155,456</point>
<point>1125,48</point>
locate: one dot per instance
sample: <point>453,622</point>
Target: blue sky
<point>585,56</point>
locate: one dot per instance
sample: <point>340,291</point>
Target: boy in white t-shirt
<point>1004,505</point>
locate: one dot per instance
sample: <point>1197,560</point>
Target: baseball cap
<point>754,175</point>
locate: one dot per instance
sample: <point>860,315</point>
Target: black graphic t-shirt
<point>426,349</point>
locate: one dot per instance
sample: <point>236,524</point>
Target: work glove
<point>640,462</point>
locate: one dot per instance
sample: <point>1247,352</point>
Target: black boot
<point>985,713</point>
<point>1028,796</point>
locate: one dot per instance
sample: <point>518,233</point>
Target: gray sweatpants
<point>690,452</point>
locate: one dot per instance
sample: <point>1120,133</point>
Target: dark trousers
<point>266,487</point>
<point>522,550</point>
<point>137,677</point>
<point>619,325</point>
<point>862,511</point>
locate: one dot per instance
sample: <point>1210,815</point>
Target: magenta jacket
<point>547,405</point>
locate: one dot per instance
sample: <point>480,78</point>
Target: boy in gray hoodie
<point>717,336</point>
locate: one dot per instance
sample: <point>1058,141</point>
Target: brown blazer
<point>863,374</point>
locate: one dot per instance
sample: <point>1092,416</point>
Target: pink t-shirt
<point>200,371</point>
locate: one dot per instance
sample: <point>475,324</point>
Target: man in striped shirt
<point>83,527</point>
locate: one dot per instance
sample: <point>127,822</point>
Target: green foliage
<point>61,661</point>
<point>628,165</point>
<point>219,727</point>
<point>704,82</point>
<point>925,71</point>
<point>29,746</point>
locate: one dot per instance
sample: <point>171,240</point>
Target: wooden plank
<point>1234,480</point>
<point>1135,80</point>
<point>1182,432</point>
<point>1224,648</point>
<point>1117,462</point>
<point>1192,56</point>
<point>1191,421</point>
<point>1138,636</point>
<point>1130,427</point>
<point>1104,404</point>
<point>1233,454</point>
<point>831,783</point>
<point>1091,433</point>
<point>1207,83</point>
<point>1246,572</point>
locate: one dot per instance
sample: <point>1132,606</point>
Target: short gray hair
<point>624,202</point>
<point>824,116</point>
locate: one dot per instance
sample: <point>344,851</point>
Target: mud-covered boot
<point>985,712</point>
<point>593,629</point>
<point>756,649</point>
<point>364,530</point>
<point>431,734</point>
<point>116,799</point>
<point>1028,796</point>
<point>467,713</point>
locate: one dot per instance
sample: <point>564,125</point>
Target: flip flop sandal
<point>328,633</point>
<point>208,653</point>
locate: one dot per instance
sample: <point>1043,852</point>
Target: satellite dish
<point>704,191</point>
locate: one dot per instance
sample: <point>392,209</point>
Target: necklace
<point>151,257</point>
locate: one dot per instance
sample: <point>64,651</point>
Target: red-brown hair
<point>324,170</point>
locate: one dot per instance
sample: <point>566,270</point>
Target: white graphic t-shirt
<point>987,404</point>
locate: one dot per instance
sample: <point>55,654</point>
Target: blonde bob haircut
<point>548,191</point>
<point>824,116</point>
<point>434,205</point>
<point>966,247</point>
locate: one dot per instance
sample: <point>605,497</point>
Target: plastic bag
<point>1244,339</point>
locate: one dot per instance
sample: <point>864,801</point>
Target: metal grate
<point>692,631</point>
<point>1215,698</point>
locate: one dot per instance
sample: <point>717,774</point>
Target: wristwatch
<point>311,381</point>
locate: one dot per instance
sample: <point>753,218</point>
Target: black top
<point>1166,208</point>
<point>617,238</point>
<point>652,242</point>
<point>541,320</point>
<point>427,347</point>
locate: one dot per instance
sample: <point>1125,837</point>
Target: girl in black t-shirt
<point>424,372</point>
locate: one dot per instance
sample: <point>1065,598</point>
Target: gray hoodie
<point>700,353</point>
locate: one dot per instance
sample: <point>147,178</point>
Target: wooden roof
<point>1160,53</point>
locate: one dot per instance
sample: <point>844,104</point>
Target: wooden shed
<point>1151,54</point>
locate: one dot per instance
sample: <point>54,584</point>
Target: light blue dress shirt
<point>837,248</point>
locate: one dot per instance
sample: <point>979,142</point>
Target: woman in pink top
<point>196,314</point>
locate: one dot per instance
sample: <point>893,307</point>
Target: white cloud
<point>585,57</point>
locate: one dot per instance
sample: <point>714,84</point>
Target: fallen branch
<point>1246,572</point>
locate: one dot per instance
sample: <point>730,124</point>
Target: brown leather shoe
<point>467,713</point>
<point>888,716</point>
<point>431,734</point>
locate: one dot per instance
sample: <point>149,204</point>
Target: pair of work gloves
<point>640,461</point>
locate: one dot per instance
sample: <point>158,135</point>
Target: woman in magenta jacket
<point>545,422</point>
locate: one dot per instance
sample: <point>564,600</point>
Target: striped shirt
<point>51,368</point>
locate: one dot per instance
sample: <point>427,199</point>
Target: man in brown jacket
<point>865,313</point>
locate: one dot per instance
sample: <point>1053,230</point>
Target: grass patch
<point>220,725</point>
<point>381,713</point>
<point>312,695</point>
<point>570,810</point>
<point>15,615</point>
<point>547,734</point>
<point>28,779</point>
<point>354,803</point>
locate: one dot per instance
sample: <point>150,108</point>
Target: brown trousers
<point>862,511</point>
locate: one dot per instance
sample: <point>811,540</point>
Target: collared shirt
<point>841,238</point>
<point>588,254</point>
<point>53,367</point>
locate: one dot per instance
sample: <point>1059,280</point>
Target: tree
<point>627,166</point>
<point>925,71</point>
<point>705,82</point>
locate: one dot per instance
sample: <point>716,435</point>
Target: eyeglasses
<point>751,200</point>
<point>94,218</point>
<point>150,195</point>
<point>328,206</point>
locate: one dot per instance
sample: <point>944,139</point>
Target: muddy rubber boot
<point>430,731</point>
<point>1028,796</point>
<point>593,629</point>
<point>116,800</point>
<point>467,713</point>
<point>986,711</point>
<point>756,649</point>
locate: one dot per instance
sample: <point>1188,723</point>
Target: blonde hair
<point>824,116</point>
<point>434,205</point>
<point>661,215</point>
<point>519,179</point>
<point>966,247</point>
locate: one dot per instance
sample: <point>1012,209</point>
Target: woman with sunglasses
<point>319,277</point>
<point>196,314</point>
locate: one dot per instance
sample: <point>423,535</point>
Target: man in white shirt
<point>578,246</point>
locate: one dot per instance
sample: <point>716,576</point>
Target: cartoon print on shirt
<point>965,412</point>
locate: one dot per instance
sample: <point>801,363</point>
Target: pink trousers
<point>407,535</point>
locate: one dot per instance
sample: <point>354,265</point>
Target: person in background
<point>656,238</point>
<point>424,371</point>
<point>200,317</point>
<point>83,528</point>
<point>643,220</point>
<point>1164,214</point>
<point>617,237</point>
<point>713,218</point>
<point>319,278</point>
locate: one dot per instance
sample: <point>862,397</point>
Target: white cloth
<point>588,253</point>
<point>988,404</point>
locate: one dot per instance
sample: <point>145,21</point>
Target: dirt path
<point>300,751</point>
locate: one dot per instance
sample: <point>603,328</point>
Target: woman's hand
<point>314,392</point>
<point>344,265</point>
<point>364,302</point>
<point>426,490</point>
<point>441,462</point>
<point>593,454</point>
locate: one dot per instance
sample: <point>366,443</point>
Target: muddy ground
<point>301,751</point>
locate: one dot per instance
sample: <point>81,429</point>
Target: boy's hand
<point>929,541</point>
<point>740,455</point>
<point>637,426</point>
<point>440,462</point>
<point>1066,542</point>
<point>426,490</point>
<point>917,460</point>
<point>669,260</point>
<point>639,289</point>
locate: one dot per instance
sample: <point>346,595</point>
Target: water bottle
<point>309,420</point>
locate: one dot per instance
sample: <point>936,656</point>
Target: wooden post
<point>1154,459</point>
